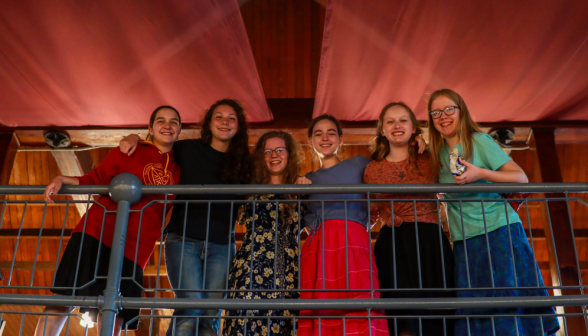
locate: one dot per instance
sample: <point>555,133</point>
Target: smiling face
<point>166,127</point>
<point>446,125</point>
<point>325,139</point>
<point>397,126</point>
<point>224,124</point>
<point>277,160</point>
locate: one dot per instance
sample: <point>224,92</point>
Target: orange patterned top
<point>386,172</point>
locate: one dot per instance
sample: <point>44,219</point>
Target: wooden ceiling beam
<point>75,163</point>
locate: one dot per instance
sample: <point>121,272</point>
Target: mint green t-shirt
<point>488,155</point>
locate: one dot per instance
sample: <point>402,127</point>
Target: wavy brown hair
<point>381,146</point>
<point>261,174</point>
<point>237,168</point>
<point>465,130</point>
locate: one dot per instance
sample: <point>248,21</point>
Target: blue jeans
<point>197,275</point>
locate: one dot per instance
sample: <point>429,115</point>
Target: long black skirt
<point>401,261</point>
<point>85,281</point>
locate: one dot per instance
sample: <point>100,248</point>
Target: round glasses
<point>449,110</point>
<point>279,151</point>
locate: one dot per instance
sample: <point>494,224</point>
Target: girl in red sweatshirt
<point>92,238</point>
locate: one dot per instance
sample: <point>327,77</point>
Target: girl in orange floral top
<point>400,265</point>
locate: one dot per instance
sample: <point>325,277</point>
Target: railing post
<point>125,189</point>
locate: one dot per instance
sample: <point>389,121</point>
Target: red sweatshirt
<point>152,167</point>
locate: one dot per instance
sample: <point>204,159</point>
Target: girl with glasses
<point>268,256</point>
<point>485,230</point>
<point>397,258</point>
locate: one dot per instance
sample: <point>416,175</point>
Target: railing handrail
<point>246,189</point>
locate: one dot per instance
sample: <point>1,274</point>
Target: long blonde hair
<point>466,128</point>
<point>381,146</point>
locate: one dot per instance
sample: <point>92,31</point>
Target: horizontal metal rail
<point>301,304</point>
<point>212,189</point>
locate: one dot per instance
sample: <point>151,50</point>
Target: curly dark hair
<point>261,174</point>
<point>237,168</point>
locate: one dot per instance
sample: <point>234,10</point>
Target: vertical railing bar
<point>198,320</point>
<point>468,324</point>
<point>553,243</point>
<point>323,240</point>
<point>531,239</point>
<point>109,309</point>
<point>138,241</point>
<point>369,311</point>
<point>346,251</point>
<point>320,326</point>
<point>60,242</point>
<point>369,235</point>
<point>206,251</point>
<point>392,226</point>
<point>574,240</point>
<point>541,324</point>
<point>5,205</point>
<point>186,204</point>
<point>231,223</point>
<point>488,245</point>
<point>441,249</point>
<point>583,309</point>
<point>276,234</point>
<point>299,241</point>
<point>420,326</point>
<point>38,244</point>
<point>22,324</point>
<point>514,266</point>
<point>465,246</point>
<point>161,242</point>
<point>99,246</point>
<point>444,326</point>
<point>17,241</point>
<point>68,320</point>
<point>493,326</point>
<point>416,232</point>
<point>252,250</point>
<point>515,318</point>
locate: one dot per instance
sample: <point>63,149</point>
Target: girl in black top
<point>197,254</point>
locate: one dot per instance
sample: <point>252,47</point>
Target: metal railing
<point>110,303</point>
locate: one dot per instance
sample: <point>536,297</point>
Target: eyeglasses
<point>279,151</point>
<point>449,110</point>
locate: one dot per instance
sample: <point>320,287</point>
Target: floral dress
<point>267,259</point>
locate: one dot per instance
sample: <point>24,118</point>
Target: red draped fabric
<point>111,62</point>
<point>510,60</point>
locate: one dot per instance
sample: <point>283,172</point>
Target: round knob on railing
<point>126,187</point>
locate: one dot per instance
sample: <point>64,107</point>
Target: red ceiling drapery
<point>76,63</point>
<point>510,60</point>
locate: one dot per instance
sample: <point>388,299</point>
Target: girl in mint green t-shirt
<point>485,231</point>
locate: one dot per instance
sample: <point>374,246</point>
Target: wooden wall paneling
<point>283,38</point>
<point>561,234</point>
<point>316,33</point>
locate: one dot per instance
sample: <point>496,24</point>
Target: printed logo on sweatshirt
<point>154,174</point>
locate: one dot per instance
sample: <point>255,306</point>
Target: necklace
<point>401,174</point>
